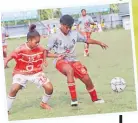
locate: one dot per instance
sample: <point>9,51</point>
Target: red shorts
<point>87,34</point>
<point>79,70</point>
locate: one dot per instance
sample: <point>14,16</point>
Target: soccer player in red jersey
<point>63,42</point>
<point>84,23</point>
<point>30,58</point>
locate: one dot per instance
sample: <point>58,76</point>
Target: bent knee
<point>48,88</point>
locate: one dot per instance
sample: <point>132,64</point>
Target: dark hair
<point>32,32</point>
<point>83,10</point>
<point>67,20</point>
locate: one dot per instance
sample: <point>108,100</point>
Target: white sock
<point>45,98</point>
<point>10,101</point>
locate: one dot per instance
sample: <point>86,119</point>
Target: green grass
<point>102,66</point>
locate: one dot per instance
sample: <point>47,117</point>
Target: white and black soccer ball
<point>118,84</point>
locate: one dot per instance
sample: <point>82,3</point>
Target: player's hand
<point>60,57</point>
<point>104,46</point>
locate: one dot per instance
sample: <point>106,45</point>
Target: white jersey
<point>65,44</point>
<point>3,36</point>
<point>85,22</point>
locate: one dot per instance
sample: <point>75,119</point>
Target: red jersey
<point>28,61</point>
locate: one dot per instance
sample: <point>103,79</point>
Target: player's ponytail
<point>32,28</point>
<point>32,32</point>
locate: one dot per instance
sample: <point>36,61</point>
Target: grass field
<point>102,66</point>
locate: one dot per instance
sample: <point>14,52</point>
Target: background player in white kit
<point>84,27</point>
<point>4,42</point>
<point>63,43</point>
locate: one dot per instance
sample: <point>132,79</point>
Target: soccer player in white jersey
<point>84,27</point>
<point>63,43</point>
<point>4,42</point>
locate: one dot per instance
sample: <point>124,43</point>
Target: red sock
<point>93,94</point>
<point>86,50</point>
<point>72,90</point>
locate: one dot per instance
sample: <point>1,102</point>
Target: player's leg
<point>48,88</point>
<point>42,81</point>
<point>12,94</point>
<point>5,53</point>
<point>66,69</point>
<point>80,72</point>
<point>90,88</point>
<point>18,83</point>
<point>86,46</point>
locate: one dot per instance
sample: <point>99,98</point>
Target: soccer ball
<point>118,84</point>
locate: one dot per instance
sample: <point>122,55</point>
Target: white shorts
<point>4,43</point>
<point>39,79</point>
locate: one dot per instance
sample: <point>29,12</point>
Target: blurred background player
<point>30,58</point>
<point>54,28</point>
<point>4,42</point>
<point>48,29</point>
<point>103,24</point>
<point>84,23</point>
<point>63,43</point>
<point>74,27</point>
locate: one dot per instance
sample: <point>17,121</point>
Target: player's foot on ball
<point>74,103</point>
<point>45,106</point>
<point>99,101</point>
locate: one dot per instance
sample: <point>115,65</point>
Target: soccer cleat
<point>45,106</point>
<point>86,53</point>
<point>74,103</point>
<point>99,101</point>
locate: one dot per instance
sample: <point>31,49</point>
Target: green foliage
<point>46,14</point>
<point>114,8</point>
<point>57,13</point>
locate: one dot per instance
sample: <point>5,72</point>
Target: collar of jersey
<point>63,33</point>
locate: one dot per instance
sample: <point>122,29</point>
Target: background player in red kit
<point>63,42</point>
<point>30,58</point>
<point>84,27</point>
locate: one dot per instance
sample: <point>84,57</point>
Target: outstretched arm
<point>51,55</point>
<point>81,38</point>
<point>9,58</point>
<point>92,41</point>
